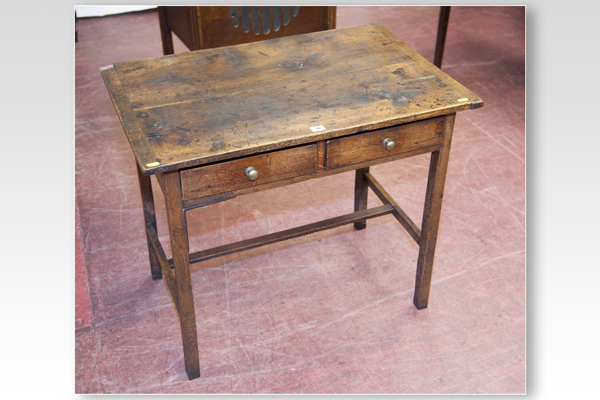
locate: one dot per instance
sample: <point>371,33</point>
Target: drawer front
<point>230,175</point>
<point>370,146</point>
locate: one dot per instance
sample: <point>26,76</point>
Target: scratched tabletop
<point>210,105</point>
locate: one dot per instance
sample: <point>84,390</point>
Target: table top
<point>210,105</point>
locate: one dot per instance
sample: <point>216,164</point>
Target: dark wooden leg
<point>441,36</point>
<point>360,195</point>
<point>183,280</point>
<point>431,216</point>
<point>165,32</point>
<point>149,216</point>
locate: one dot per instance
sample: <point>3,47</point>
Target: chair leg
<point>431,216</point>
<point>441,36</point>
<point>166,34</point>
<point>360,195</point>
<point>149,216</point>
<point>183,280</point>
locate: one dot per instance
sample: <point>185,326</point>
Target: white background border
<point>37,213</point>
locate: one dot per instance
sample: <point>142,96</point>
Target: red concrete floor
<point>331,312</point>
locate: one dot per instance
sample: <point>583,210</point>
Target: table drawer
<point>230,175</point>
<point>370,146</point>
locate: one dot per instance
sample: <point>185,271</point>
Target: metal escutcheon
<point>389,144</point>
<point>251,173</point>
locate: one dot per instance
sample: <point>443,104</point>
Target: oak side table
<point>219,123</point>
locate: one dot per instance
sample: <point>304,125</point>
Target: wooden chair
<point>208,27</point>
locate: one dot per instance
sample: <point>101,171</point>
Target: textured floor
<point>331,312</point>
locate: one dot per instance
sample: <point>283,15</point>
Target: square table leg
<point>431,215</point>
<point>149,217</point>
<point>183,281</point>
<point>361,191</point>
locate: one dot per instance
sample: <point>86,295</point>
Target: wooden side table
<point>219,123</point>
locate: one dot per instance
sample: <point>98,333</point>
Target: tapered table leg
<point>183,280</point>
<point>431,215</point>
<point>361,191</point>
<point>149,216</point>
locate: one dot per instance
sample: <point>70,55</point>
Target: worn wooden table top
<point>204,106</point>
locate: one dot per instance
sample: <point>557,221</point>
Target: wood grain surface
<point>210,105</point>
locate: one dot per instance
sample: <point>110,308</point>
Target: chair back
<point>208,27</point>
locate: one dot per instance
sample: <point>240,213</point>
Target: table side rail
<point>289,234</point>
<point>399,213</point>
<point>207,200</point>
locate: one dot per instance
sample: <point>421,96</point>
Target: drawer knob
<point>251,173</point>
<point>389,144</point>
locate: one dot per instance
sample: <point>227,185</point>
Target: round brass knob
<point>389,144</point>
<point>251,173</point>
